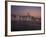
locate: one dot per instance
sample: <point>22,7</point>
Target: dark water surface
<point>25,25</point>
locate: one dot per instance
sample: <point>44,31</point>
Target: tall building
<point>22,17</point>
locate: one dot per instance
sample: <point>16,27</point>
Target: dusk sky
<point>23,10</point>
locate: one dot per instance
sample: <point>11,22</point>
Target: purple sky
<point>23,10</point>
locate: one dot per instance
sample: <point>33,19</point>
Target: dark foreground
<point>24,25</point>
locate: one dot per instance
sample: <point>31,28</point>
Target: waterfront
<point>25,25</point>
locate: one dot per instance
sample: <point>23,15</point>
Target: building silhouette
<point>27,17</point>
